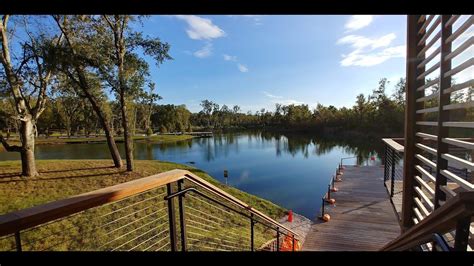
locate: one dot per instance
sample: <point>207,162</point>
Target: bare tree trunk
<point>27,135</point>
<point>68,131</point>
<point>85,87</point>
<point>120,53</point>
<point>27,148</point>
<point>104,121</point>
<point>126,133</point>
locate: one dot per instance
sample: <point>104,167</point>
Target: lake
<point>291,170</point>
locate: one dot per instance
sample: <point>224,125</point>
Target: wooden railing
<point>133,216</point>
<point>441,221</point>
<point>438,114</point>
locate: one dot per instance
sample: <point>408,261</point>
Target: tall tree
<point>78,53</point>
<point>28,79</point>
<point>129,69</point>
<point>148,100</point>
<point>207,110</point>
<point>399,94</point>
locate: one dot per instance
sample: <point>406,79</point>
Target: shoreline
<point>95,139</point>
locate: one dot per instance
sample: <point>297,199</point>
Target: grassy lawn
<point>63,178</point>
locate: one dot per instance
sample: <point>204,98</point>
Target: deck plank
<point>362,218</point>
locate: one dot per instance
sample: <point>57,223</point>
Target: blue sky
<point>256,61</point>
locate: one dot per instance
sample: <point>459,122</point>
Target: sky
<point>255,61</point>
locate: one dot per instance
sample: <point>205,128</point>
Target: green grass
<point>64,178</point>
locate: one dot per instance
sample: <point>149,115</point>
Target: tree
<point>74,58</point>
<point>207,110</point>
<point>28,79</point>
<point>128,71</point>
<point>148,100</point>
<point>399,94</point>
<point>67,104</point>
<point>171,118</point>
<point>236,110</point>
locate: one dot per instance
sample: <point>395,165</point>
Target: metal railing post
<point>252,223</point>
<point>462,234</point>
<point>385,170</point>
<point>182,217</point>
<point>329,192</point>
<point>278,238</point>
<point>18,241</point>
<point>392,184</point>
<point>171,217</point>
<point>322,206</point>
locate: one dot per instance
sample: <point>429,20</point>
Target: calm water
<point>291,170</point>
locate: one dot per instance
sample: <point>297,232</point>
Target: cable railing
<point>171,211</point>
<point>393,172</point>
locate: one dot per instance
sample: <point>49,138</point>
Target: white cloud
<point>357,22</point>
<point>233,58</point>
<point>367,51</point>
<point>280,99</point>
<point>242,68</point>
<point>359,42</point>
<point>272,96</point>
<point>204,51</point>
<point>365,59</point>
<point>230,57</point>
<point>291,101</point>
<point>201,28</point>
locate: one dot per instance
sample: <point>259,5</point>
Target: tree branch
<point>8,147</point>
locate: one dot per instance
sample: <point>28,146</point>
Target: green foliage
<point>376,113</point>
<point>149,132</point>
<point>171,118</point>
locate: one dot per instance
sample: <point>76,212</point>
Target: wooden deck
<point>363,219</point>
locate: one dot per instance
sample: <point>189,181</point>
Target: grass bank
<point>64,178</point>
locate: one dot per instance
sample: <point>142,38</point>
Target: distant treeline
<point>376,113</point>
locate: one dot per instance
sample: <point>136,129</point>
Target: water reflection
<point>285,143</point>
<point>290,169</point>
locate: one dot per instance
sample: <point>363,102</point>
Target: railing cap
<point>393,144</point>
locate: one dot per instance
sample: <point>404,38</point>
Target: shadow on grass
<point>58,178</point>
<point>77,176</point>
<point>9,175</point>
<point>77,169</point>
<point>20,178</point>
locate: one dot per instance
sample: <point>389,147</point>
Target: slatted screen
<point>440,80</point>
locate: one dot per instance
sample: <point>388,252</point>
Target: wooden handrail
<point>439,221</point>
<point>26,218</point>
<point>393,144</point>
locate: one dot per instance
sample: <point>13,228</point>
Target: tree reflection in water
<point>220,145</point>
